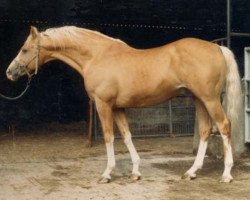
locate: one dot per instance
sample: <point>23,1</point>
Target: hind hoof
<point>134,177</point>
<point>104,180</point>
<point>189,177</point>
<point>226,179</point>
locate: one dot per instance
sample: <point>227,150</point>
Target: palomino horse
<point>117,76</point>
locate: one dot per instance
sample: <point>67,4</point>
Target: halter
<point>34,57</point>
<point>27,72</point>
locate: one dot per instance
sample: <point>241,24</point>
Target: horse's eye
<point>24,50</point>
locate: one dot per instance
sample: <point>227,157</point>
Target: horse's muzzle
<point>12,74</point>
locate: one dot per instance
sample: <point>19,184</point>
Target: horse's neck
<point>73,59</point>
<point>80,49</point>
<point>76,55</point>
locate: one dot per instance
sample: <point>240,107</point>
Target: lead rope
<point>20,95</point>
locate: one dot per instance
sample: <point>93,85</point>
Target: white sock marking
<point>111,159</point>
<point>228,157</point>
<point>133,153</point>
<point>199,158</point>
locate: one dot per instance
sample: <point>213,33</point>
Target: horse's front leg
<point>106,117</point>
<point>122,124</point>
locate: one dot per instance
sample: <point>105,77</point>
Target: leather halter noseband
<point>36,56</point>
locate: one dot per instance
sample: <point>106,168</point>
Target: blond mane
<point>63,35</point>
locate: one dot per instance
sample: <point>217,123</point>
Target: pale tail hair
<point>233,95</point>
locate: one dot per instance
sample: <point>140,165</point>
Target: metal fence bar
<point>174,119</point>
<point>95,122</point>
<point>240,34</point>
<point>228,23</point>
<point>170,117</point>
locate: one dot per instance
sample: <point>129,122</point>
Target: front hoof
<point>226,179</point>
<point>104,180</point>
<point>188,176</point>
<point>134,177</point>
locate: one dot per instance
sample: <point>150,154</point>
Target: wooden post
<point>90,123</point>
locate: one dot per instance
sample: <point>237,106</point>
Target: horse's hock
<point>215,145</point>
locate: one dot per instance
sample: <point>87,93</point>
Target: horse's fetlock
<point>111,165</point>
<point>199,166</point>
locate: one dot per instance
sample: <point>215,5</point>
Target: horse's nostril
<point>8,72</point>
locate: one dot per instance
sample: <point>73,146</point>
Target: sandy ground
<point>58,165</point>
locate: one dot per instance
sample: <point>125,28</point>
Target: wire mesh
<point>174,118</point>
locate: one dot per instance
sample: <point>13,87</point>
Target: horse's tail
<point>233,95</point>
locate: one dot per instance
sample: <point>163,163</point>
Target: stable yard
<point>55,163</point>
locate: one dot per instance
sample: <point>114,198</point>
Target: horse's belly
<point>141,99</point>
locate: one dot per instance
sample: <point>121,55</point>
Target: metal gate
<point>174,118</point>
<point>247,94</point>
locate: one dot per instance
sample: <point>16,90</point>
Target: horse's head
<point>27,60</point>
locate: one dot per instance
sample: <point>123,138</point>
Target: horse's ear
<point>33,31</point>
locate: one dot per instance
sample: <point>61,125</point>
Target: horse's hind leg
<point>205,128</point>
<point>218,115</point>
<point>122,124</point>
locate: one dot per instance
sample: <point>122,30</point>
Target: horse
<point>117,76</point>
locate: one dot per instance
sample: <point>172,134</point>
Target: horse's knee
<point>108,137</point>
<point>204,134</point>
<point>127,137</point>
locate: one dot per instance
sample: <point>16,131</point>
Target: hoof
<point>189,177</point>
<point>226,179</point>
<point>104,180</point>
<point>134,177</point>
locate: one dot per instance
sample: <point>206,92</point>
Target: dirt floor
<point>56,164</point>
